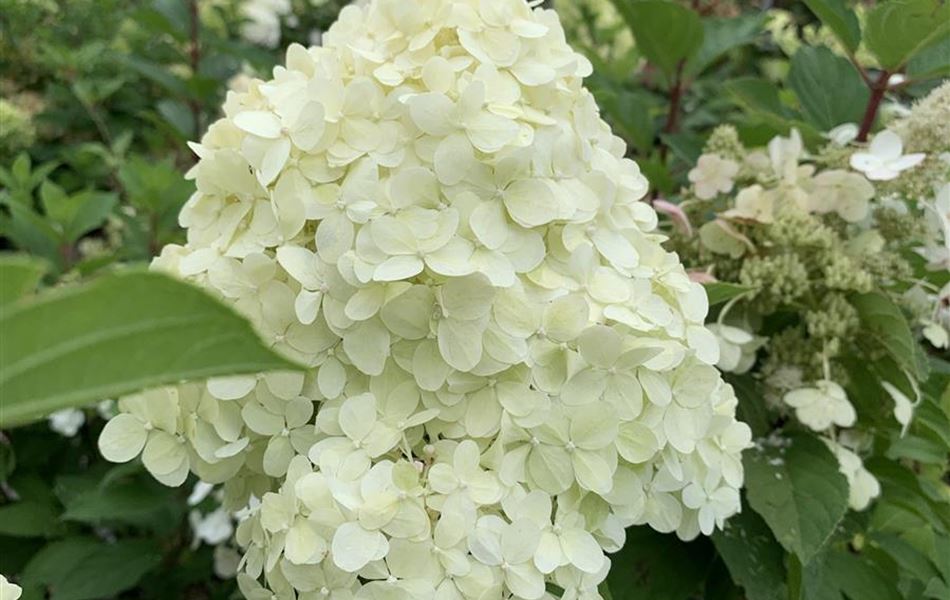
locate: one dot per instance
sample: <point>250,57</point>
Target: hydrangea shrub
<point>505,368</point>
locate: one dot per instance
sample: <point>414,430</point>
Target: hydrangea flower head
<point>506,369</point>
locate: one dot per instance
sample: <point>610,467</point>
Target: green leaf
<point>906,556</point>
<point>858,578</point>
<point>720,35</point>
<point>178,115</point>
<point>21,168</point>
<point>78,214</point>
<point>666,33</point>
<point>85,569</point>
<point>128,502</point>
<point>154,186</point>
<point>685,145</point>
<point>897,30</point>
<point>651,565</point>
<point>828,86</point>
<point>918,449</point>
<point>840,19</point>
<point>92,210</point>
<point>884,322</point>
<point>752,409</point>
<point>753,557</point>
<point>116,335</point>
<point>794,483</point>
<point>30,232</point>
<point>29,519</point>
<point>719,292</point>
<point>19,276</point>
<point>757,95</point>
<point>932,61</point>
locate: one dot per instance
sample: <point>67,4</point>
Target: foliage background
<point>98,100</point>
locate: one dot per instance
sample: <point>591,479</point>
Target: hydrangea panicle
<point>506,369</point>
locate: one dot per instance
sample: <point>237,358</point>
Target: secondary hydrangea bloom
<point>885,158</point>
<point>862,486</point>
<point>505,368</point>
<point>713,175</point>
<point>821,406</point>
<point>737,347</point>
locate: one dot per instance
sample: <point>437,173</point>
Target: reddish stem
<point>676,95</point>
<point>878,89</point>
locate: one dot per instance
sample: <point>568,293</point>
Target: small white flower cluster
<point>784,179</point>
<point>505,367</point>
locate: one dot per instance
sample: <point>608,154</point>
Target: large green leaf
<point>19,275</point>
<point>758,96</point>
<point>899,29</point>
<point>932,61</point>
<point>794,483</point>
<point>828,86</point>
<point>28,519</point>
<point>666,33</point>
<point>653,565</point>
<point>118,334</point>
<point>752,409</point>
<point>884,322</point>
<point>753,557</point>
<point>86,569</point>
<point>838,17</point>
<point>721,36</point>
<point>857,577</point>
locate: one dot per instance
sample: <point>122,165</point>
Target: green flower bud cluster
<point>833,156</point>
<point>842,272</point>
<point>794,228</point>
<point>833,320</point>
<point>792,348</point>
<point>887,266</point>
<point>897,225</point>
<point>776,279</point>
<point>724,141</point>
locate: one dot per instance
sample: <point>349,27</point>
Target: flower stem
<point>878,88</point>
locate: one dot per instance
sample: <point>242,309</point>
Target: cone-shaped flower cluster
<point>507,369</point>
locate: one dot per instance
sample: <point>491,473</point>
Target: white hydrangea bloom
<point>863,486</point>
<point>713,175</point>
<point>213,528</point>
<point>506,369</point>
<point>885,158</point>
<point>737,347</point>
<point>843,134</point>
<point>822,406</point>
